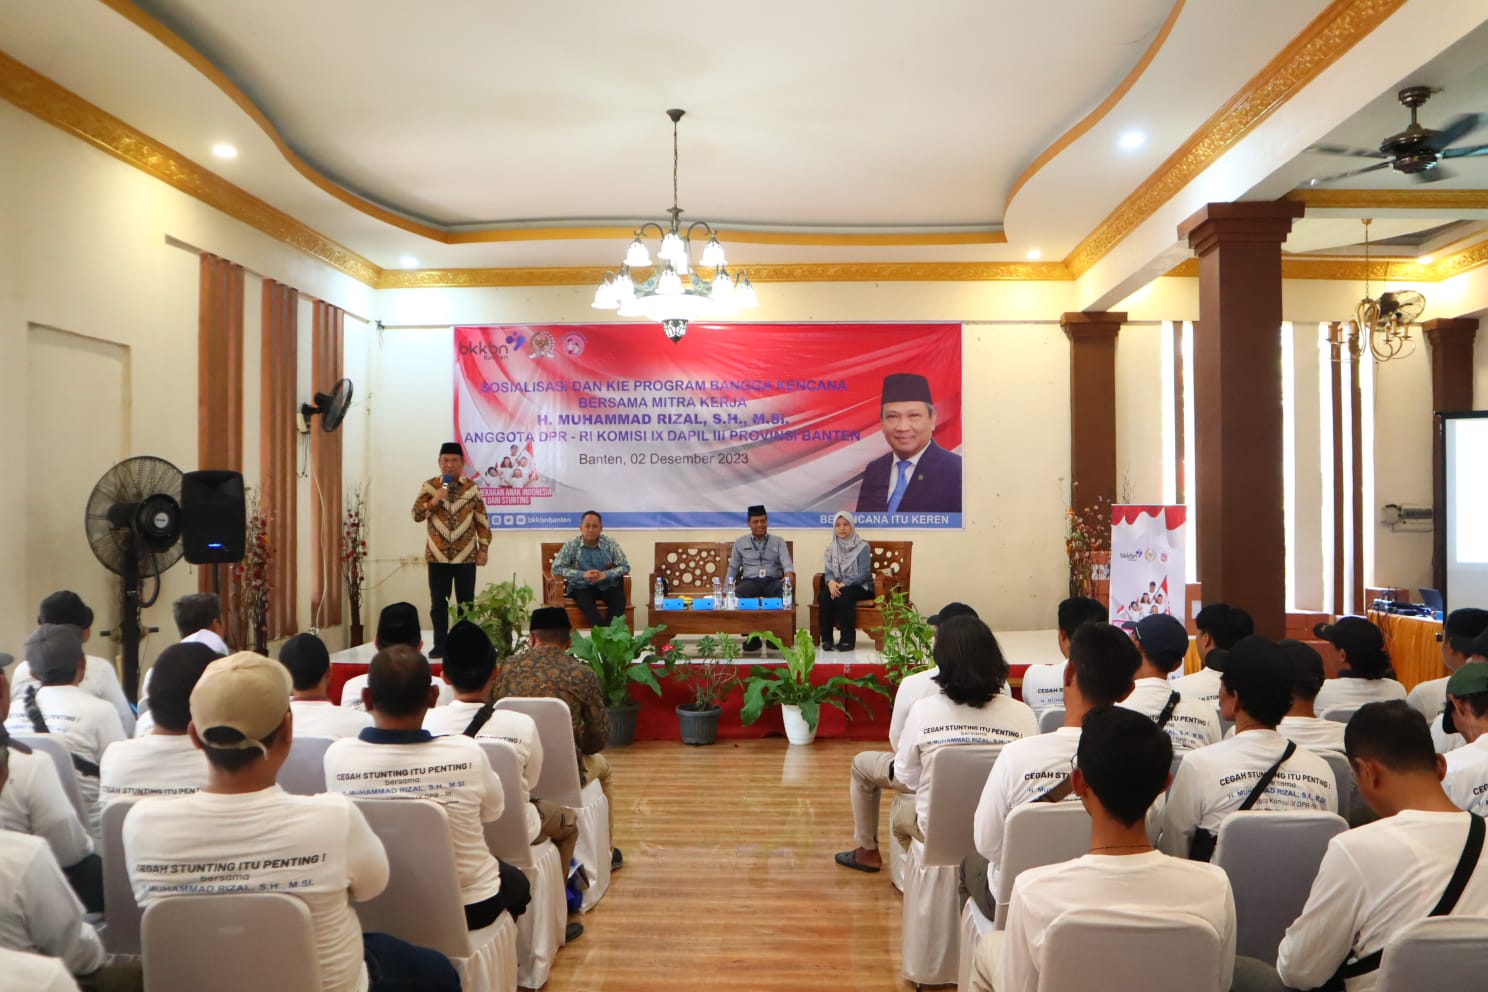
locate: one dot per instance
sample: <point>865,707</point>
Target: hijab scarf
<point>842,553</point>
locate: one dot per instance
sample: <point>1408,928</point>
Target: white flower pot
<point>796,730</point>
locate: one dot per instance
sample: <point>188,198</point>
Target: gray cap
<point>54,651</point>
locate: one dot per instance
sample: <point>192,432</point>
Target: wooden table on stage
<point>781,623</point>
<point>1414,650</point>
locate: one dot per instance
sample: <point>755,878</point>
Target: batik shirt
<point>458,527</point>
<point>549,671</point>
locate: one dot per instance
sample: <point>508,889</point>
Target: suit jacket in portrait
<point>935,486</point>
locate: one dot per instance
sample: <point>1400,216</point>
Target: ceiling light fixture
<point>676,293</point>
<point>1380,326</point>
<point>224,150</point>
<point>408,262</point>
<point>1425,260</point>
<point>1034,254</point>
<point>1132,140</point>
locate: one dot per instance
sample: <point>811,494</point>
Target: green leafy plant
<point>908,638</point>
<point>710,673</point>
<point>619,658</point>
<point>792,686</point>
<point>501,610</point>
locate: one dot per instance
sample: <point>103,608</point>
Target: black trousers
<point>588,599</point>
<point>86,879</point>
<point>841,613</point>
<point>515,894</point>
<point>750,588</point>
<point>441,577</point>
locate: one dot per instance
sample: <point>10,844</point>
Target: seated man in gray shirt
<point>759,563</point>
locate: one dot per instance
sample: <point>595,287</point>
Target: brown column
<point>1451,340</point>
<point>1237,405</point>
<point>1092,406</point>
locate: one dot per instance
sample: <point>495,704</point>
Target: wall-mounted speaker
<point>214,516</point>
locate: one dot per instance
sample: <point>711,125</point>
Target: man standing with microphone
<point>459,534</point>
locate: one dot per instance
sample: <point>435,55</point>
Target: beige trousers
<point>871,774</point>
<point>561,826</point>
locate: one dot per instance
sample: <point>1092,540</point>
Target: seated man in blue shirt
<point>594,568</point>
<point>759,563</point>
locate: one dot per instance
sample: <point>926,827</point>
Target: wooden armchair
<point>553,590</point>
<point>891,561</point>
<point>689,568</point>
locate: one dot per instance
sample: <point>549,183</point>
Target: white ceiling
<point>801,116</point>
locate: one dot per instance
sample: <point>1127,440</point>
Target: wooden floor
<point>729,881</point>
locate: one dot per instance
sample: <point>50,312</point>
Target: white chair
<point>61,758</point>
<point>421,903</point>
<point>1451,950</point>
<point>559,783</point>
<point>1037,834</point>
<point>1097,950</point>
<point>1051,719</point>
<point>974,927</point>
<point>1339,714</point>
<point>303,773</point>
<point>932,898</point>
<point>1272,859</point>
<point>122,913</point>
<point>230,943</point>
<point>540,929</point>
<point>897,853</point>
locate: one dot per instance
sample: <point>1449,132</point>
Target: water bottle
<point>660,593</point>
<point>730,598</point>
<point>787,594</point>
<point>717,593</point>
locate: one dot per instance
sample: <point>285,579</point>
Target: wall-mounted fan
<point>1417,151</point>
<point>330,406</point>
<point>133,525</point>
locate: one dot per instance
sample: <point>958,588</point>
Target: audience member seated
<point>1255,769</point>
<point>451,771</point>
<point>546,669</point>
<point>35,972</point>
<point>1444,735</point>
<point>85,724</point>
<point>1121,766</point>
<point>1459,631</point>
<point>309,665</point>
<point>1377,879</point>
<point>470,669</point>
<point>1220,627</point>
<point>873,771</point>
<point>847,579</point>
<point>1302,724</point>
<point>398,623</point>
<point>593,567</point>
<point>969,709</point>
<point>316,848</point>
<point>1102,663</point>
<point>163,762</point>
<point>33,802</point>
<point>1466,781</point>
<point>1043,685</point>
<point>100,679</point>
<point>198,619</point>
<point>759,563</point>
<point>1163,643</point>
<point>1366,673</point>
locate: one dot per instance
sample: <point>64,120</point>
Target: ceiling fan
<point>1417,151</point>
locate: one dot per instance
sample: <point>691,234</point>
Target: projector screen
<point>1465,488</point>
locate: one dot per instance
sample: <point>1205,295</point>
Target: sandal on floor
<point>848,859</point>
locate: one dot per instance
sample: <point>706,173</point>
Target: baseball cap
<point>1353,635</point>
<point>54,651</point>
<point>65,606</point>
<point>950,610</point>
<point>398,623</point>
<point>1163,638</point>
<point>1469,680</point>
<point>1480,645</point>
<point>245,692</point>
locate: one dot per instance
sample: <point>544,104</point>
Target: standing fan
<point>133,524</point>
<point>331,406</point>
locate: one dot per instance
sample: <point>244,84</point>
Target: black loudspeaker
<point>214,516</point>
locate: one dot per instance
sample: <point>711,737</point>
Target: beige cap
<point>245,692</point>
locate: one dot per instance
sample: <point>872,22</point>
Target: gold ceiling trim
<point>1471,257</point>
<point>1331,34</point>
<point>1379,269</point>
<point>509,233</point>
<point>804,272</point>
<point>65,110</point>
<point>1391,199</point>
<point>1093,118</point>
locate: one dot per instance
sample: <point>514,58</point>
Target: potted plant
<point>908,638</point>
<point>619,658</point>
<point>708,675</point>
<point>800,701</point>
<point>354,559</point>
<point>253,579</point>
<point>501,610</point>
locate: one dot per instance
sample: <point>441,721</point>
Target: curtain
<point>219,399</point>
<point>277,439</point>
<point>327,337</point>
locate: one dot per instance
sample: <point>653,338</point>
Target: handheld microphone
<point>449,486</point>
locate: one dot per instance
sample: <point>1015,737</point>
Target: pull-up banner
<point>557,419</point>
<point>1147,570</point>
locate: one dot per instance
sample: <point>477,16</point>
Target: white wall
<point>1139,414</point>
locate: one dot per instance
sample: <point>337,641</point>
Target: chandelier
<point>1382,326</point>
<point>676,292</point>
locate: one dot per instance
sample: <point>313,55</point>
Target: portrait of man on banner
<point>917,475</point>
